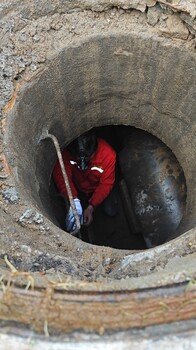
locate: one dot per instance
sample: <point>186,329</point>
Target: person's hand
<point>70,220</point>
<point>88,215</point>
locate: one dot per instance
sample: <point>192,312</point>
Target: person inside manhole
<point>90,165</point>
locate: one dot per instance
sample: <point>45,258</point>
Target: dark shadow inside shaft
<point>150,190</point>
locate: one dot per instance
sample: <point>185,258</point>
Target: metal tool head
<point>44,135</point>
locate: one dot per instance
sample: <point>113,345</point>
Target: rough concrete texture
<point>35,39</point>
<point>149,339</point>
<point>106,61</point>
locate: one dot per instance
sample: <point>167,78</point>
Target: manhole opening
<point>150,191</point>
<point>78,91</point>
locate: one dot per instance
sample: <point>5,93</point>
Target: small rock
<point>107,261</point>
<point>32,31</point>
<point>56,24</point>
<point>164,16</point>
<point>150,3</point>
<point>174,27</point>
<point>10,195</point>
<point>41,59</point>
<point>42,228</point>
<point>121,11</point>
<point>153,15</point>
<point>26,248</point>
<point>26,215</point>
<point>3,176</point>
<point>38,218</point>
<point>23,37</point>
<point>36,38</point>
<point>33,67</point>
<point>40,253</point>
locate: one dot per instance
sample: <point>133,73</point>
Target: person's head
<point>84,147</point>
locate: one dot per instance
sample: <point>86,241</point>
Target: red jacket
<point>96,181</point>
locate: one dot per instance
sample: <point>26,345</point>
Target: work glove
<point>70,220</point>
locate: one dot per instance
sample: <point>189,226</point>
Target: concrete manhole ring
<point>113,79</point>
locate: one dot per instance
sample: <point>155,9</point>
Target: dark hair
<point>85,145</point>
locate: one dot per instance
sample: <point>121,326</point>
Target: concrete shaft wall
<point>74,65</point>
